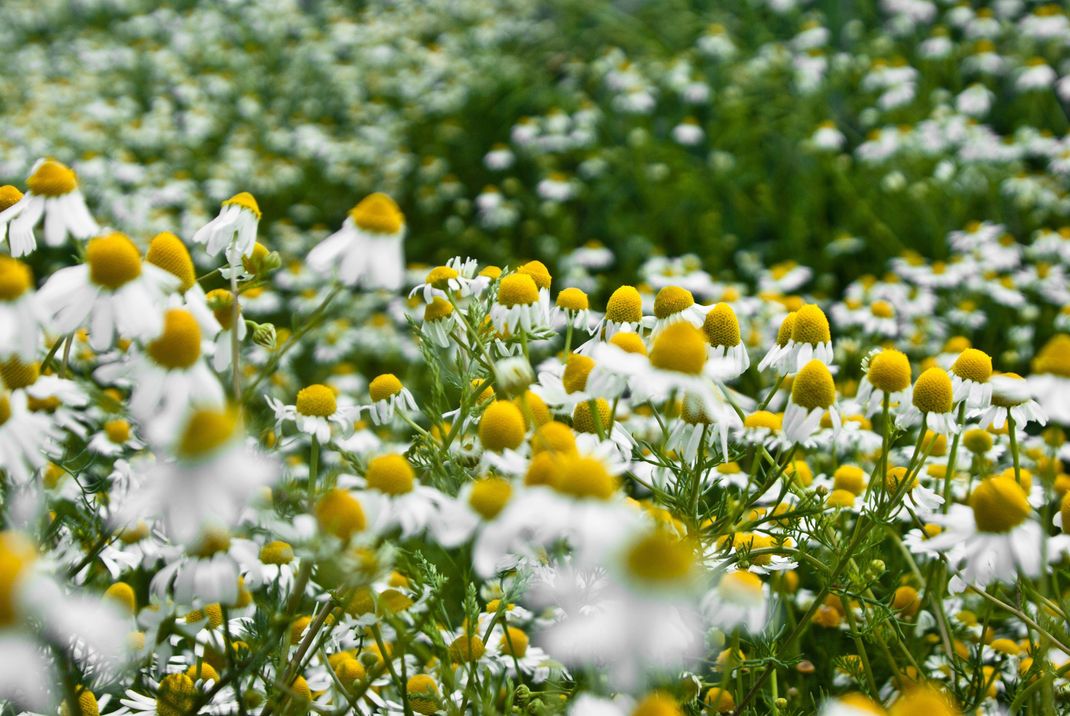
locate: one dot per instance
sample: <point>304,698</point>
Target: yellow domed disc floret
<point>438,309</point>
<point>763,419</point>
<point>384,386</point>
<point>889,371</point>
<point>15,278</point>
<point>179,346</point>
<point>378,214</point>
<point>660,558</point>
<point>681,347</point>
<point>974,365</point>
<point>538,272</point>
<point>221,301</point>
<point>16,374</point>
<point>721,326</point>
<point>391,474</point>
<point>440,277</point>
<point>932,391</point>
<point>787,327</point>
<point>583,419</point>
<point>206,431</point>
<point>340,514</point>
<point>999,505</point>
<point>489,496</point>
<point>9,196</point>
<point>813,386</point>
<point>502,426</point>
<point>573,299</point>
<point>741,587</point>
<point>52,179</point>
<point>316,400</point>
<point>811,326</point>
<point>518,289</point>
<point>581,476</point>
<point>246,201</point>
<point>175,695</point>
<point>977,441</point>
<point>629,342</point>
<point>671,300</point>
<point>169,253</point>
<point>553,436</point>
<point>276,552</point>
<point>1054,357</point>
<point>577,368</point>
<point>113,260</point>
<point>851,478</point>
<point>625,306</point>
<point>657,704</point>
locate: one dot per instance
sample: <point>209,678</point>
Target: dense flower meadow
<point>503,357</point>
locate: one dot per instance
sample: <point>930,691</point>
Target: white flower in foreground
<point>53,193</point>
<point>932,401</point>
<point>624,312</point>
<point>112,292</point>
<point>233,230</point>
<point>368,249</point>
<point>518,307</point>
<point>1050,381</point>
<point>24,436</point>
<point>812,393</point>
<point>726,345</point>
<point>23,318</point>
<point>887,375</point>
<point>969,379</point>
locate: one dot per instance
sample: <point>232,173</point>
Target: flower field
<point>599,358</point>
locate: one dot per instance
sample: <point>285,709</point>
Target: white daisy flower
<point>519,307</point>
<point>388,394</point>
<point>24,437</point>
<point>969,379</point>
<point>624,312</point>
<point>740,600</point>
<point>52,193</point>
<point>1011,398</point>
<point>887,374</point>
<point>813,392</point>
<point>671,305</point>
<point>368,249</point>
<point>726,346</point>
<point>932,400</point>
<point>23,318</point>
<point>315,412</point>
<point>233,230</point>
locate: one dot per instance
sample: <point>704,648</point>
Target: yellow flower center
<point>894,478</point>
<point>977,441</point>
<point>719,701</point>
<point>17,554</point>
<point>113,260</point>
<point>203,671</point>
<point>466,648</point>
<point>671,300</point>
<point>118,431</point>
<point>17,374</point>
<point>206,432</point>
<point>840,499</point>
<point>9,196</point>
<point>122,595</point>
<point>221,301</point>
<point>906,600</point>
<point>489,496</point>
<point>52,179</point>
<point>518,289</point>
<point>516,644</point>
<point>813,387</point>
<point>882,309</point>
<point>502,426</point>
<point>851,478</point>
<point>573,299</point>
<point>438,309</point>
<point>811,326</point>
<point>657,705</point>
<point>741,587</point>
<point>932,391</point>
<point>212,612</point>
<point>721,326</point>
<point>999,505</point>
<point>659,558</point>
<point>338,513</point>
<point>391,474</point>
<point>179,346</point>
<point>924,700</point>
<point>423,694</point>
<point>169,253</point>
<point>538,272</point>
<point>974,365</point>
<point>246,201</point>
<point>577,368</point>
<point>254,262</point>
<point>15,278</point>
<point>276,552</point>
<point>583,420</point>
<point>583,477</point>
<point>378,214</point>
<point>787,327</point>
<point>553,437</point>
<point>763,419</point>
<point>629,342</point>
<point>1064,512</point>
<point>316,401</point>
<point>1054,357</point>
<point>681,347</point>
<point>384,386</point>
<point>1004,397</point>
<point>87,704</point>
<point>625,306</point>
<point>889,371</point>
<point>440,276</point>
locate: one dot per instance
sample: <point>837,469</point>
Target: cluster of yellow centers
<point>1054,357</point>
<point>932,391</point>
<point>518,289</point>
<point>17,555</point>
<point>573,299</point>
<point>502,426</point>
<point>15,278</point>
<point>391,474</point>
<point>246,201</point>
<point>813,386</point>
<point>113,260</point>
<point>625,306</point>
<point>973,365</point>
<point>999,504</point>
<point>338,513</point>
<point>681,347</point>
<point>378,214</point>
<point>52,179</point>
<point>207,431</point>
<point>672,300</point>
<point>317,401</point>
<point>721,326</point>
<point>660,558</point>
<point>179,345</point>
<point>169,253</point>
<point>384,387</point>
<point>810,326</point>
<point>221,301</point>
<point>889,371</point>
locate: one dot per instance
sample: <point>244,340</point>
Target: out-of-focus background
<point>834,133</point>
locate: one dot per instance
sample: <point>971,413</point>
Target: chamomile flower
<point>368,249</point>
<point>969,379</point>
<point>1050,381</point>
<point>112,292</point>
<point>740,600</point>
<point>25,436</point>
<point>812,393</point>
<point>887,377</point>
<point>388,394</point>
<point>519,307</point>
<point>316,413</point>
<point>394,498</point>
<point>932,401</point>
<point>624,312</point>
<point>779,357</point>
<point>439,322</point>
<point>673,304</point>
<point>440,282</point>
<point>726,347</point>
<point>572,308</point>
<point>1011,399</point>
<point>233,230</point>
<point>115,438</point>
<point>52,192</point>
<point>23,318</point>
<point>221,303</point>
